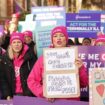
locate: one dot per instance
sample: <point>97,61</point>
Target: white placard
<point>61,84</point>
<point>60,59</point>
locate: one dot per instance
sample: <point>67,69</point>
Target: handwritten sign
<point>97,86</point>
<point>60,59</point>
<point>61,74</point>
<point>62,85</point>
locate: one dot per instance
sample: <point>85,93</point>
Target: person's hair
<point>10,52</point>
<point>70,42</point>
<point>86,39</point>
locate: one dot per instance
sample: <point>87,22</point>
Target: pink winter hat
<point>100,38</point>
<point>28,33</point>
<point>16,15</point>
<point>17,35</point>
<point>60,29</point>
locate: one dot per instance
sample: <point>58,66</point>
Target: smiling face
<point>16,45</point>
<point>59,40</point>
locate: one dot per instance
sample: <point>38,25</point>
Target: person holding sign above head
<point>59,37</point>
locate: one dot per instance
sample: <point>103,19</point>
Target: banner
<point>83,25</point>
<point>20,100</point>
<point>102,17</point>
<point>92,56</point>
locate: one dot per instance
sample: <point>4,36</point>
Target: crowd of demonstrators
<point>21,73</point>
<point>15,67</point>
<point>10,26</point>
<point>59,38</point>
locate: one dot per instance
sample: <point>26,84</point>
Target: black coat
<point>5,44</point>
<point>7,75</point>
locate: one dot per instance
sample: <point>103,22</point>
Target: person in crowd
<point>6,35</point>
<point>100,40</point>
<point>28,39</point>
<point>59,38</point>
<point>12,28</point>
<point>6,26</point>
<point>15,17</point>
<point>15,67</point>
<point>86,42</point>
<point>2,51</point>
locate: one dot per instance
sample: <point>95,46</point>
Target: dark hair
<point>86,39</point>
<point>70,42</point>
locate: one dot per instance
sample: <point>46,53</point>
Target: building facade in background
<point>8,7</point>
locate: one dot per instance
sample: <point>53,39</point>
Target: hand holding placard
<point>61,74</point>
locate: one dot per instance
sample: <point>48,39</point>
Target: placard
<point>97,86</point>
<point>83,24</point>
<point>92,57</point>
<point>25,100</point>
<point>60,59</point>
<point>102,17</point>
<point>61,78</point>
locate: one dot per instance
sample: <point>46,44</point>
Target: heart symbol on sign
<point>100,89</point>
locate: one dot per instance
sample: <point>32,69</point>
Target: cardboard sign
<point>61,75</point>
<point>60,59</point>
<point>97,86</point>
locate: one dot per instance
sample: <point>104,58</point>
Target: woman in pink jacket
<point>59,39</point>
